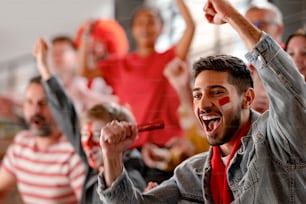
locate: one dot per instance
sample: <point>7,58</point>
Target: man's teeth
<point>211,121</point>
<point>210,117</point>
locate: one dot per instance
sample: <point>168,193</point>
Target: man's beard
<point>43,129</point>
<point>232,128</point>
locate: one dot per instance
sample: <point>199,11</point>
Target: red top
<point>139,83</point>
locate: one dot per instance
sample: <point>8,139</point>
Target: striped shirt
<point>53,175</point>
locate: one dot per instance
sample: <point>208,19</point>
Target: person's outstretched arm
<point>115,186</point>
<point>284,84</point>
<point>61,105</point>
<point>116,137</point>
<point>183,45</point>
<point>222,11</point>
<point>86,63</point>
<point>40,51</point>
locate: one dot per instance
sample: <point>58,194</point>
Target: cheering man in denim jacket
<point>254,158</point>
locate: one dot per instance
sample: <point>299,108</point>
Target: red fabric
<point>109,32</point>
<point>89,84</point>
<point>218,182</point>
<point>31,167</point>
<point>224,101</point>
<point>139,82</point>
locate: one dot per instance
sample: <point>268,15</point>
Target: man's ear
<point>248,98</point>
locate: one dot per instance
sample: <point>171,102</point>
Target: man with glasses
<point>268,18</point>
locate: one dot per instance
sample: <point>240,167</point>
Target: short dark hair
<point>300,32</point>
<point>146,7</point>
<point>64,38</point>
<point>239,73</point>
<point>35,80</point>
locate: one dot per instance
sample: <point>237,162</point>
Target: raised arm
<point>86,62</point>
<point>221,11</point>
<point>285,86</point>
<point>179,76</point>
<point>183,45</point>
<point>116,137</point>
<point>61,105</point>
<point>40,51</point>
<point>115,185</point>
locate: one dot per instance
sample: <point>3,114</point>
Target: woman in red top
<point>138,80</point>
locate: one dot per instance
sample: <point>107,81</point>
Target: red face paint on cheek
<point>225,102</point>
<point>91,147</point>
<point>87,141</point>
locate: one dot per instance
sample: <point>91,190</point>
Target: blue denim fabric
<point>269,167</point>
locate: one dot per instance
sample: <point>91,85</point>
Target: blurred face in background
<point>98,49</point>
<point>63,57</point>
<point>265,21</point>
<point>90,134</point>
<point>93,120</point>
<point>146,27</point>
<point>36,111</point>
<point>296,48</point>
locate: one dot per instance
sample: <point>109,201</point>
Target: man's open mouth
<point>211,122</point>
<point>37,120</point>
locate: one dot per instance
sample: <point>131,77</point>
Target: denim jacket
<point>270,165</point>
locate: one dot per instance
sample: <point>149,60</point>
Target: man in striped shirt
<point>40,161</point>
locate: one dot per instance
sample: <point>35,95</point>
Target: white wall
<point>23,21</point>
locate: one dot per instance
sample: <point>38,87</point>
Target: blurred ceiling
<point>21,22</point>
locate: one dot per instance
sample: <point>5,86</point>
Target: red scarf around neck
<point>221,193</point>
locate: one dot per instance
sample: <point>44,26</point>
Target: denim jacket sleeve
<point>123,191</point>
<point>65,114</point>
<point>185,186</point>
<point>285,87</point>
